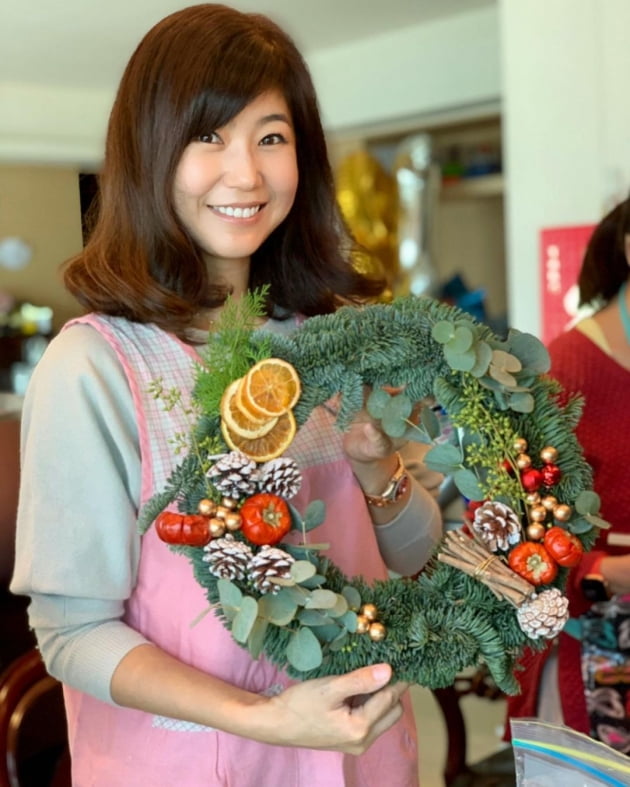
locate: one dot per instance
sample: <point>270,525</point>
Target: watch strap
<point>395,489</point>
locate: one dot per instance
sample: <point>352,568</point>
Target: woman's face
<point>234,185</point>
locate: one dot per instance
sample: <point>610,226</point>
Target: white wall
<point>566,126</point>
<point>424,68</point>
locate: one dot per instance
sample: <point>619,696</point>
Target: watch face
<point>594,589</point>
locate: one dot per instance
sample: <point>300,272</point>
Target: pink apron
<point>117,747</point>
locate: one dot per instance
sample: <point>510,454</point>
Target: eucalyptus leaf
<point>532,353</point>
<point>339,641</point>
<point>315,514</point>
<point>349,621</point>
<point>445,458</point>
<point>462,340</point>
<point>483,357</point>
<point>245,619</point>
<point>304,652</point>
<point>443,331</point>
<point>506,361</point>
<point>460,362</point>
<point>501,376</point>
<point>256,640</point>
<point>416,435</point>
<point>317,580</point>
<point>376,402</point>
<point>279,609</point>
<point>301,570</point>
<point>466,481</point>
<point>297,523</point>
<point>430,422</point>
<point>340,608</point>
<point>521,402</point>
<point>597,521</point>
<point>326,633</point>
<point>321,599</point>
<point>587,502</point>
<point>393,424</point>
<point>352,596</point>
<point>230,597</point>
<point>579,526</point>
<point>400,405</point>
<point>313,617</point>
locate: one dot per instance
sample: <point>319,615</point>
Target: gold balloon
<point>368,198</point>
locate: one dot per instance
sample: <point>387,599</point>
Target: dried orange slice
<point>270,388</point>
<point>239,423</point>
<point>269,446</point>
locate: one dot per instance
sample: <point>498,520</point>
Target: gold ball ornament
<point>217,527</point>
<point>523,461</point>
<point>377,632</point>
<point>221,512</point>
<point>363,624</point>
<point>538,513</point>
<point>549,454</point>
<point>562,512</point>
<point>369,611</point>
<point>233,521</point>
<point>549,502</point>
<point>206,507</point>
<point>520,445</point>
<point>536,531</point>
<point>532,499</point>
<point>229,503</point>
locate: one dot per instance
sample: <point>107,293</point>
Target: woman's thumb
<point>365,680</point>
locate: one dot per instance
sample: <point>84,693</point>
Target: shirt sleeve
<point>408,541</point>
<point>77,546</point>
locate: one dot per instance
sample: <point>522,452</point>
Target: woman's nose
<point>241,168</point>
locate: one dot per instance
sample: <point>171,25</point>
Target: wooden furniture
<point>33,737</point>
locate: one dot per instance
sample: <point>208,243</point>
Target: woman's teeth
<point>238,213</point>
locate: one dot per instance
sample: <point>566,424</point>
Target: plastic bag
<point>549,755</point>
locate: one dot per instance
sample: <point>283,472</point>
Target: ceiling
<point>86,43</point>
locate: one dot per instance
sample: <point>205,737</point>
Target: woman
<point>216,180</point>
<point>593,360</point>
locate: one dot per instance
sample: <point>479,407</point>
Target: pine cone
<point>496,525</point>
<point>266,563</point>
<point>544,615</point>
<point>228,558</point>
<point>234,475</point>
<point>280,477</point>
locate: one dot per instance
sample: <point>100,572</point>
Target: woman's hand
<point>341,713</point>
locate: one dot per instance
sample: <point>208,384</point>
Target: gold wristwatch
<point>395,489</point>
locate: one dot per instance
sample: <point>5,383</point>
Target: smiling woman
<point>216,182</point>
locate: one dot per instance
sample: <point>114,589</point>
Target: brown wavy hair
<point>193,71</point>
<point>605,266</point>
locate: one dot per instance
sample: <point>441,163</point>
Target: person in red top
<point>593,360</point>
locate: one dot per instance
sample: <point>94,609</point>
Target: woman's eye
<point>213,137</point>
<point>273,139</point>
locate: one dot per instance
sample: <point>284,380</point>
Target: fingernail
<point>381,672</point>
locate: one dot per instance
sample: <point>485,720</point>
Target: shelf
<point>468,188</point>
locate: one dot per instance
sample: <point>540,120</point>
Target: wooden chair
<point>33,737</point>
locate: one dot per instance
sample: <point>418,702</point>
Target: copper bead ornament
<point>536,531</point>
<point>549,455</point>
<point>217,527</point>
<point>377,632</point>
<point>538,513</point>
<point>369,611</point>
<point>206,507</point>
<point>233,521</point>
<point>520,445</point>
<point>363,624</point>
<point>562,512</point>
<point>532,498</point>
<point>523,461</point>
<point>549,502</point>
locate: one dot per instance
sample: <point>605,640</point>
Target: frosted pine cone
<point>266,563</point>
<point>280,477</point>
<point>234,475</point>
<point>544,615</point>
<point>227,557</point>
<point>496,525</point>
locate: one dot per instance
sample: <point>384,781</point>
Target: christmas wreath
<point>498,427</point>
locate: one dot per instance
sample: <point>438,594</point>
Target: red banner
<point>561,253</point>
